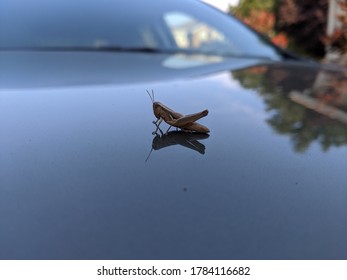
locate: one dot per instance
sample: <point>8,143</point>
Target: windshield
<point>170,25</point>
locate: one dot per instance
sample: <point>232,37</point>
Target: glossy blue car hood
<point>83,177</point>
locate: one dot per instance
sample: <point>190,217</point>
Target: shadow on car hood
<point>269,182</point>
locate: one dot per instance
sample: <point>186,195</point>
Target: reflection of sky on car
<point>245,106</point>
<point>177,19</point>
<point>241,103</point>
<point>181,61</point>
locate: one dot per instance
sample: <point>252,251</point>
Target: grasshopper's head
<point>157,109</point>
<point>156,105</point>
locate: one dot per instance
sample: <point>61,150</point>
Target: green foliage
<point>246,6</point>
<point>261,16</point>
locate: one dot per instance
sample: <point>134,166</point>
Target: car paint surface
<point>82,176</point>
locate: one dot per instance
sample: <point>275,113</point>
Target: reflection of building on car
<point>190,33</point>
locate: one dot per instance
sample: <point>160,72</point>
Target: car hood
<point>83,177</point>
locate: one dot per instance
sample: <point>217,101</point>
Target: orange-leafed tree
<point>261,16</point>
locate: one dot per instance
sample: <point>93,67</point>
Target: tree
<point>245,7</point>
<point>299,25</point>
<point>261,16</point>
<point>304,21</point>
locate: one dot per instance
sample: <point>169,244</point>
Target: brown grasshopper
<point>172,118</point>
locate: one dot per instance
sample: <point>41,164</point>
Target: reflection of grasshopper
<point>172,118</point>
<point>172,138</point>
<point>188,140</point>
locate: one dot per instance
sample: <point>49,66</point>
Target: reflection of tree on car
<point>304,124</point>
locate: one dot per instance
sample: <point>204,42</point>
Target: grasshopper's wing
<point>190,118</point>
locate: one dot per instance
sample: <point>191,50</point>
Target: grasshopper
<point>172,118</point>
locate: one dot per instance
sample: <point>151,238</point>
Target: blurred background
<point>311,28</point>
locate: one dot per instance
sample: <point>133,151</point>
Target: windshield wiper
<point>93,49</point>
<point>142,49</point>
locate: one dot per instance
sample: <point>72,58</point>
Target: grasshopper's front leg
<point>156,122</point>
<point>157,125</point>
<point>156,131</point>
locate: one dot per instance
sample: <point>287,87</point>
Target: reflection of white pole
<point>324,109</point>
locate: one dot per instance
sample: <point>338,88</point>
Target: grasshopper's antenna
<point>151,96</point>
<point>149,154</point>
